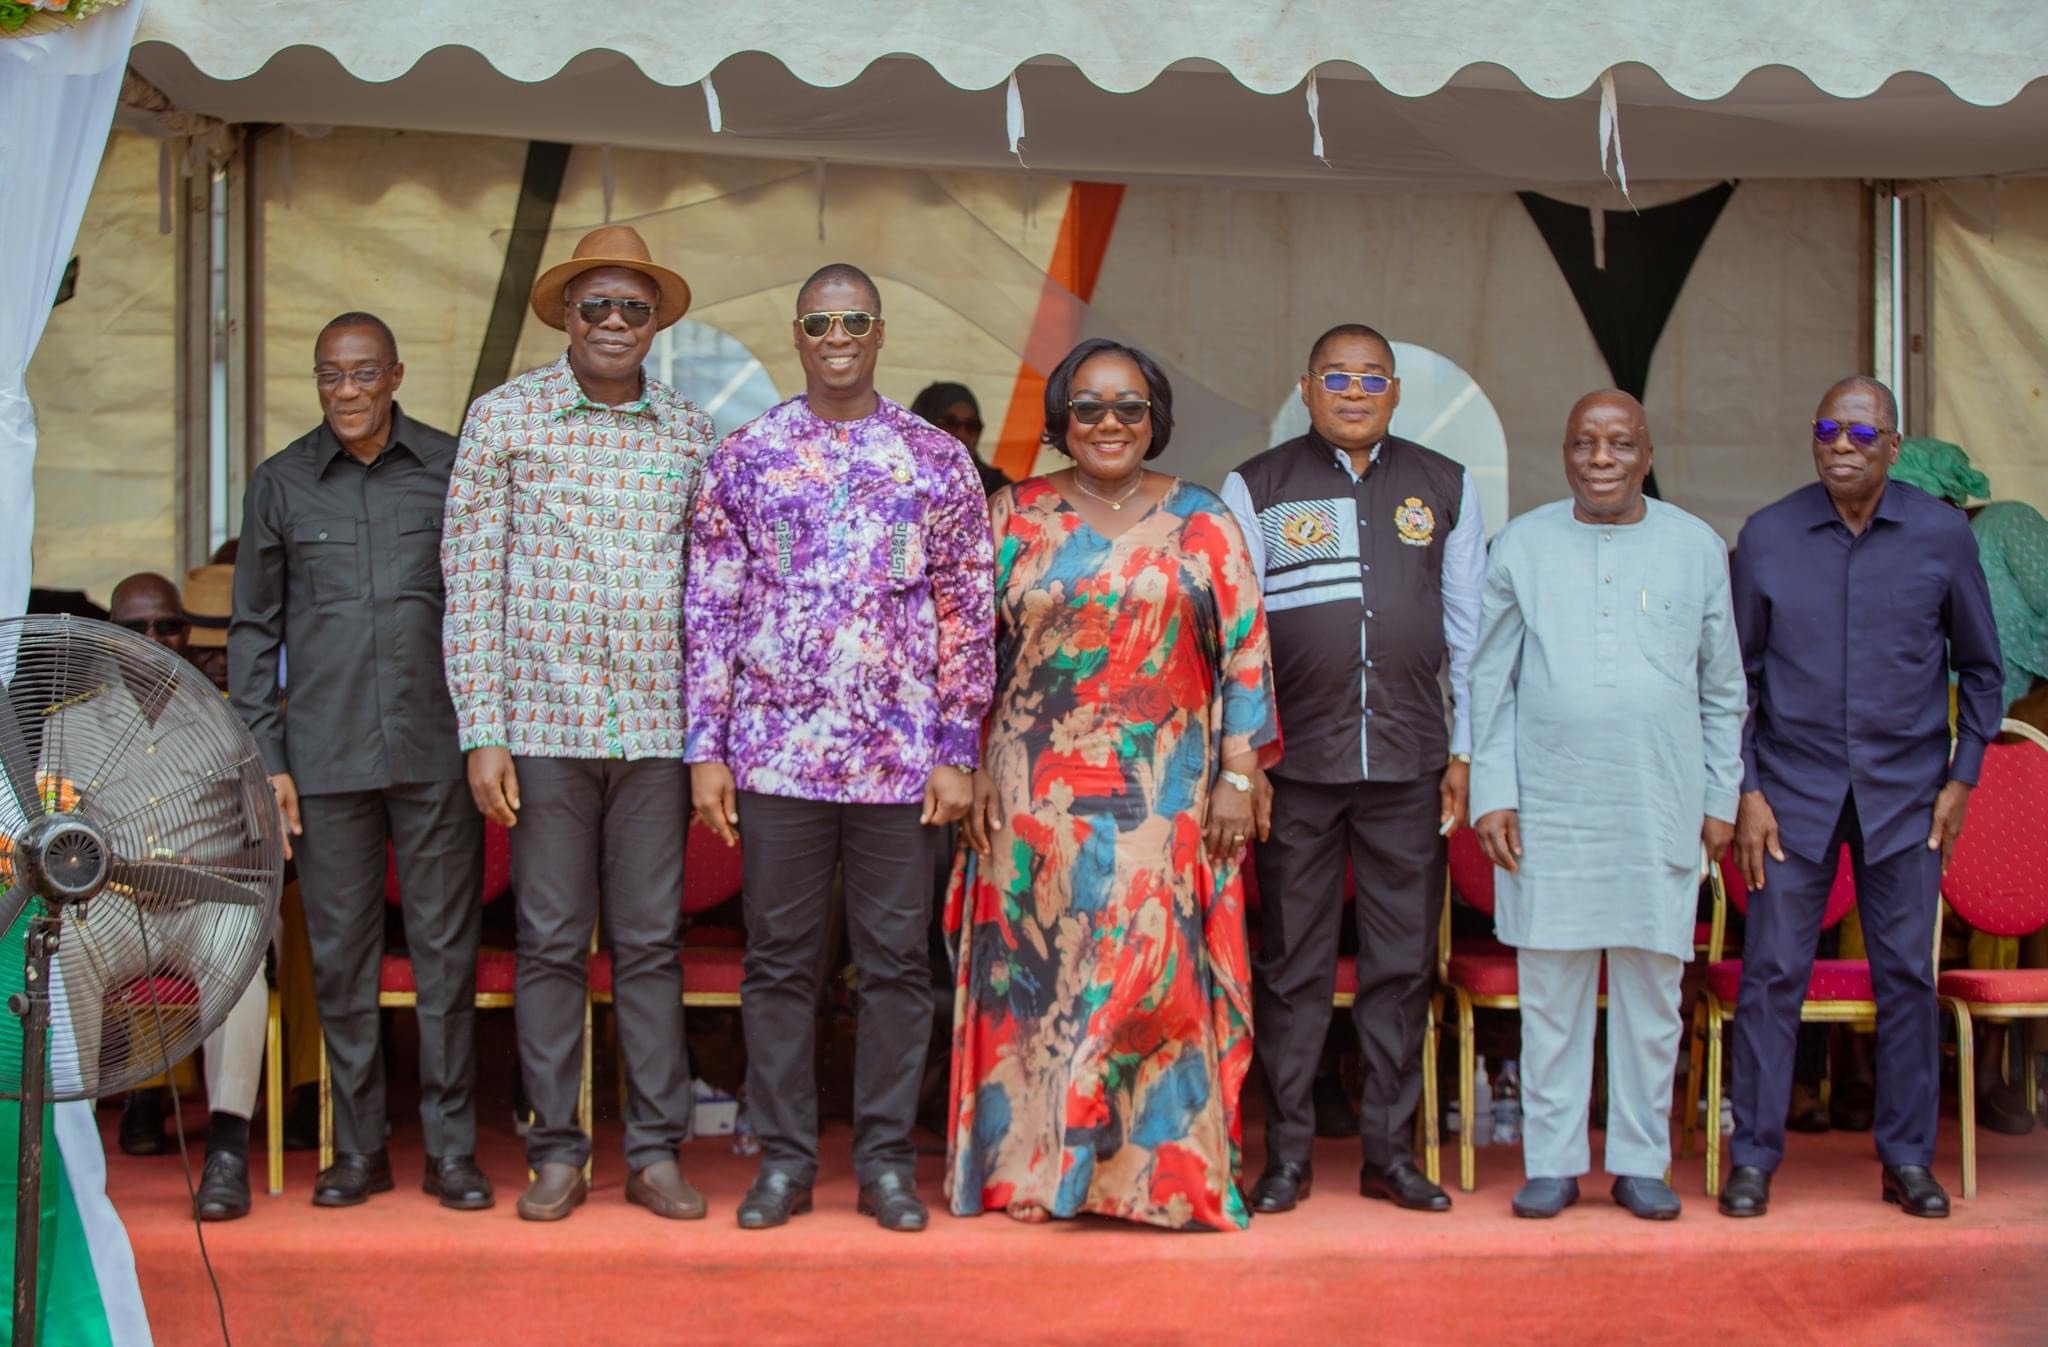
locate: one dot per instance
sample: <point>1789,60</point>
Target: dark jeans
<point>791,848</point>
<point>602,836</point>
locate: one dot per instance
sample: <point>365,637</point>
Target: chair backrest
<point>711,870</point>
<point>1841,897</point>
<point>497,865</point>
<point>1997,880</point>
<point>1471,872</point>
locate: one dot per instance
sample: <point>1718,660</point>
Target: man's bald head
<point>1608,400</point>
<point>149,605</point>
<point>1607,457</point>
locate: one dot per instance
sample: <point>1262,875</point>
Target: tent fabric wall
<point>1990,247</point>
<point>103,382</point>
<point>1235,286</point>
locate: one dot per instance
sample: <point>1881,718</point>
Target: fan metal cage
<point>135,807</point>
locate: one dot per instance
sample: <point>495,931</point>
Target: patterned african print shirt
<point>841,622</point>
<point>564,557</point>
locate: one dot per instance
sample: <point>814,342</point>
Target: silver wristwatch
<point>1238,779</point>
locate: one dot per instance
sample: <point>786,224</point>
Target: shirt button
<point>1603,612</point>
<point>1366,567</point>
<point>1368,664</point>
<point>1368,713</point>
<point>323,535</point>
<point>1606,579</point>
<point>1608,536</point>
<point>1368,612</point>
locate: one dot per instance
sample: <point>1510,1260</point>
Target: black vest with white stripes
<point>1354,603</point>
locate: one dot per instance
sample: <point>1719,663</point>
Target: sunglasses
<point>156,626</point>
<point>1827,431</point>
<point>854,323</point>
<point>365,376</point>
<point>1090,411</point>
<point>636,312</point>
<point>1337,380</point>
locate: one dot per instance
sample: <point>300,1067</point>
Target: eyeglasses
<point>957,426</point>
<point>1090,411</point>
<point>363,376</point>
<point>855,323</point>
<point>1827,430</point>
<point>636,312</point>
<point>156,626</point>
<point>1337,380</point>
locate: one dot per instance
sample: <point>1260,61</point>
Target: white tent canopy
<point>1449,95</point>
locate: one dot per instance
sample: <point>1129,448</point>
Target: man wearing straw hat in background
<point>564,558</point>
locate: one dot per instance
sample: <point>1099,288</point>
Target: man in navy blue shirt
<point>1854,597</point>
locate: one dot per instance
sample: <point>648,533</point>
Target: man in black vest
<point>1370,552</point>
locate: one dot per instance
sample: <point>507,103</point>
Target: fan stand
<point>32,1004</point>
<point>61,859</point>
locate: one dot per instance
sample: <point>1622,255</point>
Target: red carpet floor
<point>1830,1264</point>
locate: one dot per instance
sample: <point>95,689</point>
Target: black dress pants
<point>1388,832</point>
<point>791,848</point>
<point>439,840</point>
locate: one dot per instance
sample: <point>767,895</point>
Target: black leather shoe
<point>142,1125</point>
<point>1747,1192</point>
<point>352,1179</point>
<point>1405,1186</point>
<point>223,1187</point>
<point>1647,1199</point>
<point>892,1200</point>
<point>774,1197</point>
<point>1541,1199</point>
<point>2004,1110</point>
<point>1281,1187</point>
<point>1852,1106</point>
<point>457,1181</point>
<point>1914,1190</point>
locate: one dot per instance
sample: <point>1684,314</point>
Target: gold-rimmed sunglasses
<point>855,323</point>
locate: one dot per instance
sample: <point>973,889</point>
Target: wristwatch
<point>1238,779</point>
<point>1465,758</point>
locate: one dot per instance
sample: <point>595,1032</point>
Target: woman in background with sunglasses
<point>1103,1002</point>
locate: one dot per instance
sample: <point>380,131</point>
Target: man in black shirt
<point>340,559</point>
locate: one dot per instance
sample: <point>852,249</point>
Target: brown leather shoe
<point>557,1189</point>
<point>662,1189</point>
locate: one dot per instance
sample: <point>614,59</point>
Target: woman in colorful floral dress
<point>1102,1015</point>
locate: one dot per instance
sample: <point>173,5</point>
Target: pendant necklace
<point>1113,502</point>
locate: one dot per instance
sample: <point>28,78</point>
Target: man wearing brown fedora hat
<point>564,556</point>
<point>340,553</point>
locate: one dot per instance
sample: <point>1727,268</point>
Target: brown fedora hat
<point>610,246</point>
<point>209,601</point>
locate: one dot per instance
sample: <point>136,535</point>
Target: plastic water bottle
<point>1507,1106</point>
<point>1482,1107</point>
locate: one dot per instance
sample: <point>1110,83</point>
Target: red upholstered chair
<point>1997,881</point>
<point>496,969</point>
<point>1480,974</point>
<point>1838,992</point>
<point>712,969</point>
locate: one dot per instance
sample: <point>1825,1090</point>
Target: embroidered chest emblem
<point>1307,529</point>
<point>1415,522</point>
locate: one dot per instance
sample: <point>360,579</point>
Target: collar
<point>1339,456</point>
<point>1821,510</point>
<point>328,447</point>
<point>563,394</point>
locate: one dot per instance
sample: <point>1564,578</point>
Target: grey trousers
<point>1560,991</point>
<point>601,835</point>
<point>791,849</point>
<point>439,838</point>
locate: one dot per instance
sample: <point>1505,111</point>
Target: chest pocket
<point>1668,628</point>
<point>326,553</point>
<point>419,544</point>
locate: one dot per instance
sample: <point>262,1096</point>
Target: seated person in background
<point>212,825</point>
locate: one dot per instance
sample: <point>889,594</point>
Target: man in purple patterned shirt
<point>839,661</point>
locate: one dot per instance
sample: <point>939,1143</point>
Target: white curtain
<point>57,98</point>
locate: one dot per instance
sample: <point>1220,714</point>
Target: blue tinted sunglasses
<point>1827,431</point>
<point>1337,380</point>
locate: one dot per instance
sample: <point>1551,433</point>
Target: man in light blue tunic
<point>1607,735</point>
